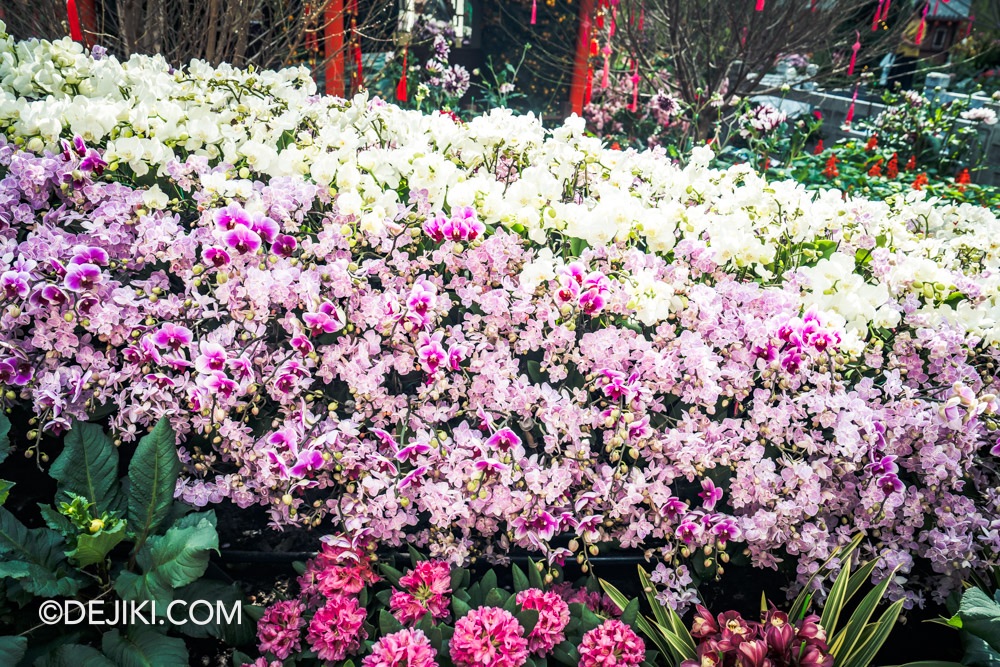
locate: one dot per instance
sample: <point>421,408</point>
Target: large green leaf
<point>848,640</point>
<point>172,560</point>
<point>980,617</point>
<point>4,440</point>
<point>870,644</point>
<point>92,549</point>
<point>234,631</point>
<point>13,648</point>
<point>35,558</point>
<point>142,646</point>
<point>74,655</point>
<point>152,476</point>
<point>5,488</point>
<point>88,467</point>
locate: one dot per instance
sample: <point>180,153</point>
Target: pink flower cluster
<point>553,616</point>
<point>406,648</point>
<point>612,644</point>
<point>425,590</point>
<point>488,637</point>
<point>469,391</point>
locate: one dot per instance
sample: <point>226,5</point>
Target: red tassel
<point>878,14</point>
<point>605,76</point>
<point>923,25</point>
<point>885,12</point>
<point>968,28</point>
<point>760,5</point>
<point>813,6</point>
<point>850,110</point>
<point>589,90</point>
<point>854,54</point>
<point>634,107</point>
<point>534,11</point>
<point>357,61</point>
<point>642,17</point>
<point>401,86</point>
<point>74,21</point>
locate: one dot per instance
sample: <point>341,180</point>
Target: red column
<point>88,21</point>
<point>581,65</point>
<point>333,33</point>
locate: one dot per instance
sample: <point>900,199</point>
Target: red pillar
<point>581,64</point>
<point>333,33</point>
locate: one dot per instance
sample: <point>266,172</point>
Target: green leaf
<point>630,613</point>
<point>92,549</point>
<point>528,618</point>
<point>865,653</point>
<point>152,476</point>
<point>667,641</point>
<point>388,624</point>
<point>415,556</point>
<point>567,654</point>
<point>5,488</point>
<point>665,616</point>
<point>88,467</point>
<point>520,579</point>
<point>534,576</point>
<point>980,617</point>
<point>56,521</point>
<point>13,647</point>
<point>142,646</point>
<point>174,559</point>
<point>73,655</point>
<point>4,440</point>
<point>845,642</point>
<point>223,623</point>
<point>36,559</point>
<point>459,607</point>
<point>801,604</point>
<point>391,573</point>
<point>497,597</point>
<point>837,598</point>
<point>489,581</point>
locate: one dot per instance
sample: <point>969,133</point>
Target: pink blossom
<point>336,630</point>
<point>82,277</point>
<point>553,616</point>
<point>242,239</point>
<point>430,352</point>
<point>611,644</point>
<point>406,648</point>
<point>173,336</point>
<point>710,494</point>
<point>278,629</point>
<point>488,637</point>
<point>425,589</point>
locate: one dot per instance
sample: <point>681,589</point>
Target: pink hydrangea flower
<point>611,643</point>
<point>406,648</point>
<point>336,630</point>
<point>553,616</point>
<point>489,637</point>
<point>337,569</point>
<point>425,589</point>
<point>278,629</point>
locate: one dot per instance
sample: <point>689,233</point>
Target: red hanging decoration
<point>642,16</point>
<point>401,86</point>
<point>534,11</point>
<point>760,5</point>
<point>878,15</point>
<point>634,107</point>
<point>854,53</point>
<point>74,21</point>
<point>588,93</point>
<point>606,75</point>
<point>850,109</point>
<point>923,24</point>
<point>968,28</point>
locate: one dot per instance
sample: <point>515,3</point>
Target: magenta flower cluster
<point>728,640</point>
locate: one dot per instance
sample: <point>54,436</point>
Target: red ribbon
<point>401,86</point>
<point>74,21</point>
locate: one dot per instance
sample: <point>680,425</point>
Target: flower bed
<point>479,336</point>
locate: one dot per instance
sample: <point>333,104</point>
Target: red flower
<point>963,179</point>
<point>920,181</point>
<point>872,143</point>
<point>819,147</point>
<point>892,169</point>
<point>911,164</point>
<point>831,170</point>
<point>876,169</point>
